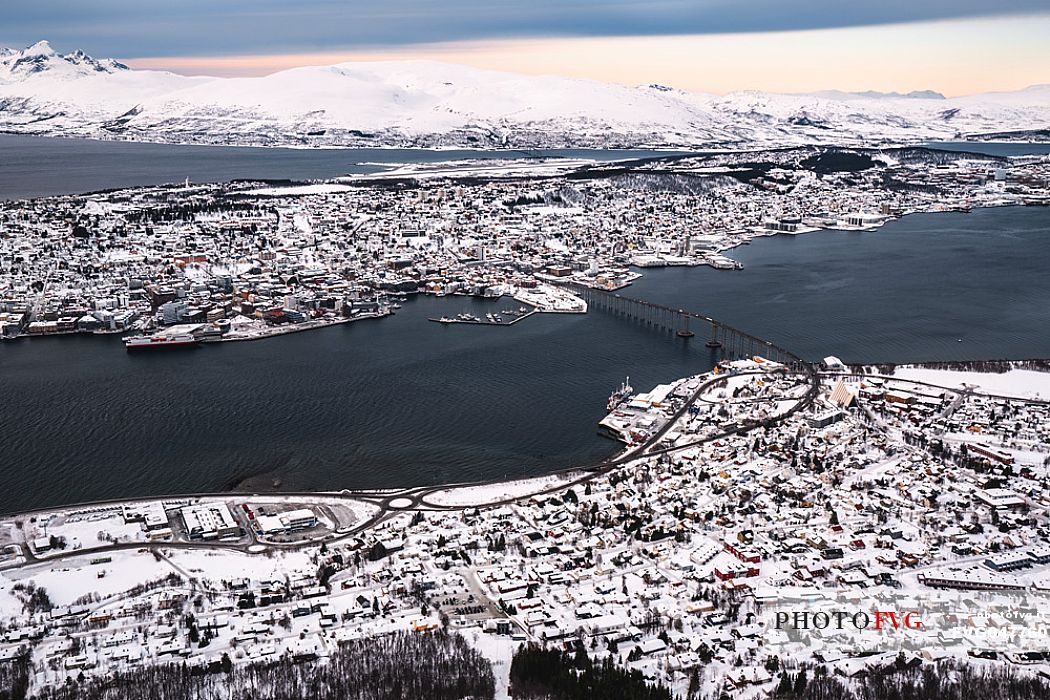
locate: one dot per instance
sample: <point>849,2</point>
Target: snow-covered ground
<point>71,579</point>
<point>298,190</point>
<point>493,493</point>
<point>1021,383</point>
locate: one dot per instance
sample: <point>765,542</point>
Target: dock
<point>262,332</point>
<point>483,321</point>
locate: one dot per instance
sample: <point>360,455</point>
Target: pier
<point>484,321</point>
<point>721,338</point>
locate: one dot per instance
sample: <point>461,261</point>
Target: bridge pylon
<point>683,330</point>
<point>713,342</point>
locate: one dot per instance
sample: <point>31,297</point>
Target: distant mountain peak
<point>42,58</point>
<point>104,65</point>
<point>876,95</point>
<point>40,48</point>
<point>914,94</point>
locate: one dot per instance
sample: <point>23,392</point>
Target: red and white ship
<point>179,340</point>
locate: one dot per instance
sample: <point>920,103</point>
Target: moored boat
<point>620,395</point>
<point>160,340</point>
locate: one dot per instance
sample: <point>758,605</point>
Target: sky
<point>953,46</point>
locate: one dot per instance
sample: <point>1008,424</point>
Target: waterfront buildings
<point>733,500</point>
<point>245,261</point>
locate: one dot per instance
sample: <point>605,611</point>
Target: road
<point>413,499</point>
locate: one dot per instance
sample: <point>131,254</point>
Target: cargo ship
<point>181,340</point>
<point>620,395</point>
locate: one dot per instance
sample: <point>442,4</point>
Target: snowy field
<point>69,580</point>
<point>493,493</point>
<point>1021,383</point>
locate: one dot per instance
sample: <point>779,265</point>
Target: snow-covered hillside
<point>44,92</point>
<point>432,104</point>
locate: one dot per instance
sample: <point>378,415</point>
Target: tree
<point>800,683</point>
<point>694,684</point>
<point>377,552</point>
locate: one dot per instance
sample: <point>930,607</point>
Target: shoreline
<point>623,451</point>
<point>717,253</point>
<point>626,453</point>
<point>275,331</point>
<point>706,147</point>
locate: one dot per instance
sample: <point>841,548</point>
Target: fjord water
<point>927,287</point>
<point>33,166</point>
<point>395,401</point>
<point>402,401</point>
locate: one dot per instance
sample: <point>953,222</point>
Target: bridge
<point>724,340</point>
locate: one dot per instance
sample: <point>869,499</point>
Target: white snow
<point>66,581</point>
<point>493,493</point>
<point>296,190</point>
<point>1021,383</point>
<point>389,102</point>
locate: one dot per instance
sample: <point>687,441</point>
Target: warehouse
<point>209,521</point>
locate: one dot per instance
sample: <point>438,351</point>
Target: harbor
<point>565,364</point>
<point>507,317</point>
<point>248,330</point>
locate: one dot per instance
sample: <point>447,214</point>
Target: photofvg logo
<point>847,627</point>
<point>878,620</point>
<point>922,620</point>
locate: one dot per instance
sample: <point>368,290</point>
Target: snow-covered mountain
<point>427,103</point>
<point>44,92</point>
<point>16,66</point>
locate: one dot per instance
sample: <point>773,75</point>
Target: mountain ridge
<point>429,103</point>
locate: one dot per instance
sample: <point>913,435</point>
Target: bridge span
<point>724,340</point>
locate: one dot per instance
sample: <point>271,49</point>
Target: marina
<point>507,317</point>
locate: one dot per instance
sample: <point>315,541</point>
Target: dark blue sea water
<point>926,287</point>
<point>396,401</point>
<point>402,401</point>
<point>37,167</point>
